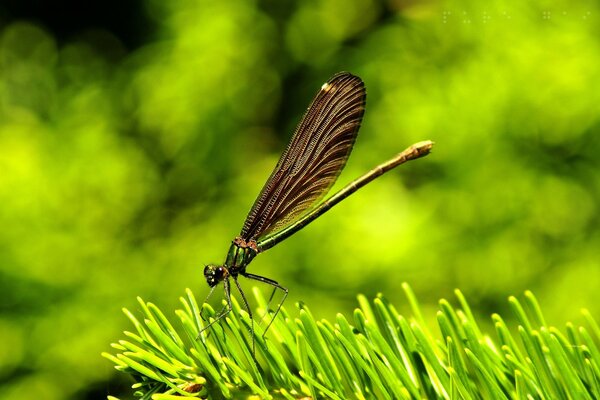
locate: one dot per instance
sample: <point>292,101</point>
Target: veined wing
<point>313,159</point>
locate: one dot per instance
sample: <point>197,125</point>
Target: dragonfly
<point>293,196</point>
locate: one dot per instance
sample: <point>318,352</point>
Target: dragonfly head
<point>215,274</point>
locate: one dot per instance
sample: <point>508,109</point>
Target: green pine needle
<point>380,354</point>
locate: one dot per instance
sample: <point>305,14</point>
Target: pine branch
<point>379,355</point>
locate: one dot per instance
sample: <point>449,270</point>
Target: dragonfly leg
<point>270,300</point>
<point>275,287</point>
<point>226,309</point>
<point>212,289</point>
<point>247,306</point>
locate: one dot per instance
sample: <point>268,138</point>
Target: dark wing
<point>314,158</point>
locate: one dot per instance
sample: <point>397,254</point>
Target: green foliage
<point>378,354</point>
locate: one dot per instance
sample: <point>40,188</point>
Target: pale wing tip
<point>326,87</point>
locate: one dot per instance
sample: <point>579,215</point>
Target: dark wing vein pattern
<point>314,158</point>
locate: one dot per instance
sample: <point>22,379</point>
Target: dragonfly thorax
<point>240,253</point>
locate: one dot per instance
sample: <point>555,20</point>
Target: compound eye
<point>215,274</point>
<point>211,271</point>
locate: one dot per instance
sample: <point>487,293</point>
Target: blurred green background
<point>134,139</point>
